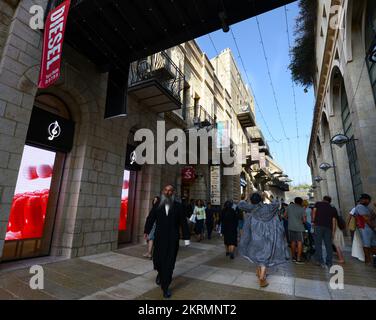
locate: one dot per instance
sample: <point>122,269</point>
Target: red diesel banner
<point>54,30</point>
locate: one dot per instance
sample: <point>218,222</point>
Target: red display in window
<point>27,215</point>
<point>124,202</point>
<point>29,206</point>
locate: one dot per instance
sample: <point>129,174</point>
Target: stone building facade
<point>87,182</point>
<point>345,102</point>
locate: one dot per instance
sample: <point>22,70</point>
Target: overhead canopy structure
<point>110,32</point>
<point>114,33</point>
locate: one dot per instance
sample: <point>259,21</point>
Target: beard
<point>166,200</point>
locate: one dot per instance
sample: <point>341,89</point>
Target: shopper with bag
<point>200,214</point>
<point>366,224</point>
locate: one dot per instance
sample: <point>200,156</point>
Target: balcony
<point>198,117</point>
<point>157,82</point>
<point>246,116</point>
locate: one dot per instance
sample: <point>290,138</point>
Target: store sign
<point>262,160</point>
<point>50,131</point>
<point>215,185</point>
<point>53,44</point>
<point>188,174</point>
<point>131,159</point>
<point>255,152</point>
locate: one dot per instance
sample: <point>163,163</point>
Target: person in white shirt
<point>169,217</point>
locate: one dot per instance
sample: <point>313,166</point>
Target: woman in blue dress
<point>262,241</point>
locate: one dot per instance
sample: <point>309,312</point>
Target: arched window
<point>370,35</point>
<point>351,148</point>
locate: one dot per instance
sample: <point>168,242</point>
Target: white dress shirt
<point>167,208</point>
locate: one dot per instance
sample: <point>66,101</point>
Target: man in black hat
<point>366,224</point>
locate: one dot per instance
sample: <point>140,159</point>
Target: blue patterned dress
<point>262,241</point>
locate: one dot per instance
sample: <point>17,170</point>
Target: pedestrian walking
<point>323,218</point>
<point>151,235</point>
<point>191,221</point>
<point>209,211</point>
<point>229,228</point>
<point>262,242</point>
<point>297,218</point>
<point>169,218</point>
<point>338,239</point>
<point>283,216</point>
<point>200,214</point>
<point>366,224</point>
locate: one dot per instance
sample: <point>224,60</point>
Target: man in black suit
<point>169,217</point>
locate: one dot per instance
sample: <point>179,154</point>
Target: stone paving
<point>202,272</point>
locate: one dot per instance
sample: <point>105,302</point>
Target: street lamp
<point>340,140</point>
<point>318,179</point>
<point>326,166</point>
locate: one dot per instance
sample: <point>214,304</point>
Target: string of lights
<point>250,85</point>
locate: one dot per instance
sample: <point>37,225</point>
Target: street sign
<point>215,185</point>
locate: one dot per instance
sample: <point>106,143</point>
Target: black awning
<point>111,33</point>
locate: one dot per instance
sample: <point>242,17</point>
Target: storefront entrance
<point>32,217</point>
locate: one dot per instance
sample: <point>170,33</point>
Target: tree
<point>303,64</point>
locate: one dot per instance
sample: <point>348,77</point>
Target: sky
<point>290,154</point>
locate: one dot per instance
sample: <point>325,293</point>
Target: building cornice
<point>329,50</point>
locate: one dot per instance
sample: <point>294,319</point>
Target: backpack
<point>341,223</point>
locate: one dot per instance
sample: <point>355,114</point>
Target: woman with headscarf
<point>229,225</point>
<point>262,241</point>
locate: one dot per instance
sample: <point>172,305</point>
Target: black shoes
<point>167,294</point>
<point>227,254</point>
<point>232,256</point>
<point>158,280</point>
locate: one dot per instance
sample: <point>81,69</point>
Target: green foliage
<point>303,64</point>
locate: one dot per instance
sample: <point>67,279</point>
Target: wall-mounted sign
<point>131,159</point>
<point>50,131</point>
<point>188,174</point>
<point>255,152</point>
<point>53,45</point>
<point>215,185</point>
<point>262,160</point>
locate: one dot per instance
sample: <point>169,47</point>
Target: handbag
<point>352,223</point>
<point>357,247</point>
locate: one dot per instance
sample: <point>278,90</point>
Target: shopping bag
<point>193,218</point>
<point>357,246</point>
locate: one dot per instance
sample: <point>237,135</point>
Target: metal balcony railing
<point>160,68</point>
<point>199,117</point>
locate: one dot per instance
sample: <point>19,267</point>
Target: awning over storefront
<point>115,32</point>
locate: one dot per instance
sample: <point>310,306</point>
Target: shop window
<point>28,211</point>
<point>124,202</point>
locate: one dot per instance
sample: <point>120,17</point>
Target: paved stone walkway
<point>202,272</point>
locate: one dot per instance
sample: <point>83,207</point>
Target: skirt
<point>338,239</point>
<point>199,226</point>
